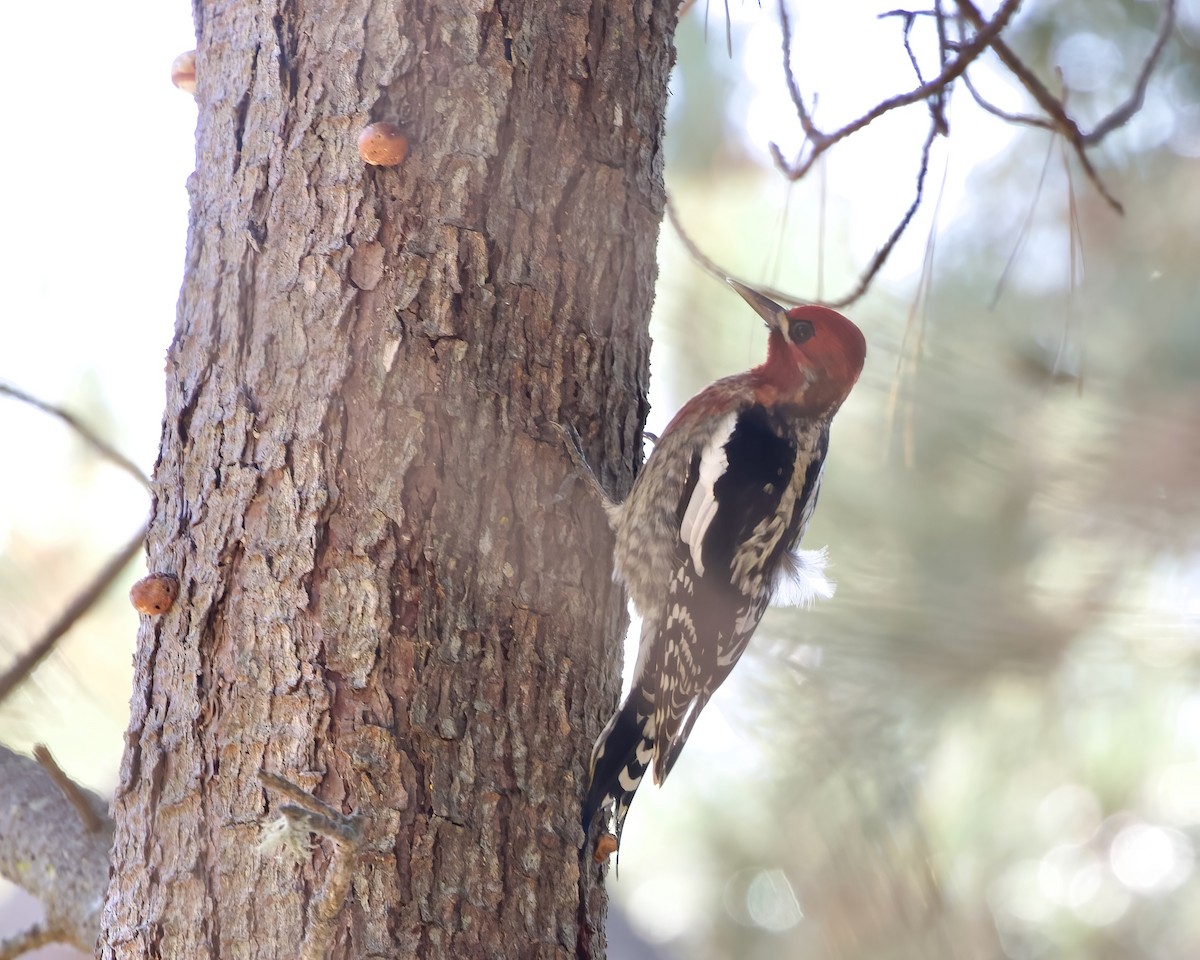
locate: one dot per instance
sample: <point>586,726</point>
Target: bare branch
<point>934,94</point>
<point>906,14</point>
<point>908,25</point>
<point>1045,99</point>
<point>28,661</point>
<point>1054,106</point>
<point>814,135</point>
<point>86,433</point>
<point>47,851</point>
<point>864,282</point>
<point>1122,115</point>
<point>1023,119</point>
<point>28,940</point>
<point>718,273</point>
<point>986,35</point>
<point>1060,120</point>
<point>72,791</point>
<point>938,103</point>
<point>882,254</point>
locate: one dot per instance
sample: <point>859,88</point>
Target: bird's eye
<point>800,330</point>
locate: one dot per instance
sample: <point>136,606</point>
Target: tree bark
<point>53,850</point>
<point>391,594</point>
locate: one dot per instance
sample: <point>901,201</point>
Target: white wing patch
<point>801,578</point>
<point>702,507</point>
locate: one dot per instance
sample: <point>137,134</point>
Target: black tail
<point>620,758</point>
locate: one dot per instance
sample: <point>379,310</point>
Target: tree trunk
<point>384,596</point>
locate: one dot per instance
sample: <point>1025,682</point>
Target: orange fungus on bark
<point>154,595</point>
<point>382,145</point>
<point>183,71</point>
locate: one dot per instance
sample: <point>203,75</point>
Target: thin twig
<point>1075,249</point>
<point>810,130</point>
<point>912,57</point>
<point>774,258</point>
<point>69,788</point>
<point>936,101</point>
<point>933,93</point>
<point>297,794</point>
<point>925,285</point>
<point>29,660</point>
<point>101,446</point>
<point>1024,119</point>
<point>882,254</point>
<point>315,814</point>
<point>1057,117</point>
<point>718,273</point>
<point>907,14</point>
<point>1023,232</point>
<point>311,814</point>
<point>1017,67</point>
<point>939,102</point>
<point>864,281</point>
<point>1122,115</point>
<point>820,142</point>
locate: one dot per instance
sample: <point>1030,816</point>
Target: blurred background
<point>988,743</point>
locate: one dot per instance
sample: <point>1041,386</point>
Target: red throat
<point>780,370</point>
<point>818,374</point>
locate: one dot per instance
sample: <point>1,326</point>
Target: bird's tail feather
<point>620,759</point>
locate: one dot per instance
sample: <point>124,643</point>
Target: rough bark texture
<point>383,596</point>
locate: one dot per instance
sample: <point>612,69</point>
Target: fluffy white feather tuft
<point>801,579</point>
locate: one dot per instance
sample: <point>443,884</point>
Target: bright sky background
<point>94,207</point>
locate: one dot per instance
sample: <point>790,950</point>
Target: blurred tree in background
<point>988,743</point>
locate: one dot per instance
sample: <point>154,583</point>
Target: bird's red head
<point>814,354</point>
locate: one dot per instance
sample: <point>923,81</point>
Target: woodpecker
<point>710,533</point>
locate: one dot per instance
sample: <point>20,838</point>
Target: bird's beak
<point>765,307</point>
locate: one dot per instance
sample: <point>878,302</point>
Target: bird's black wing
<point>737,518</point>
